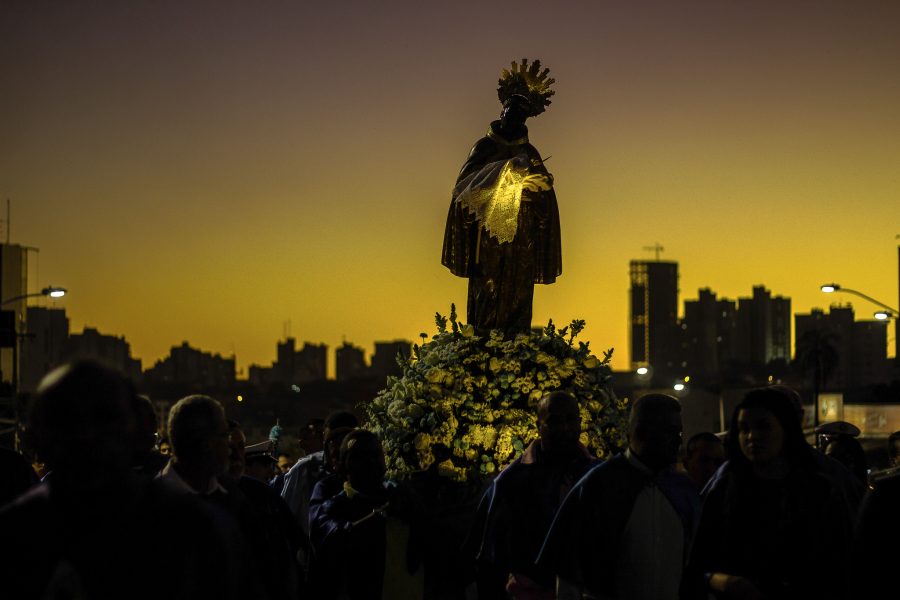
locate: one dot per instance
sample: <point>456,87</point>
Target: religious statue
<point>503,225</point>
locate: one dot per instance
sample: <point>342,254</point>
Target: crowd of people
<point>756,512</point>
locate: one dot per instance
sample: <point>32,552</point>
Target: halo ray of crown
<point>528,81</point>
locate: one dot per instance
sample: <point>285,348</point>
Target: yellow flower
<point>426,459</point>
<point>435,375</point>
<point>448,469</point>
<point>422,441</point>
<point>543,358</point>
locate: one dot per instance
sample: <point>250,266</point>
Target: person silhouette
<point>773,522</point>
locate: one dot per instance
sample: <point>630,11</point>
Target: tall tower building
<point>860,346</point>
<point>43,346</point>
<point>384,361</point>
<point>702,338</point>
<point>13,283</point>
<point>655,337</point>
<point>311,363</point>
<point>350,362</point>
<point>763,328</point>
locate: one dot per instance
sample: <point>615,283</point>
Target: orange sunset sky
<point>207,171</point>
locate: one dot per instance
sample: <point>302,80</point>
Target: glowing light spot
<point>240,398</point>
<point>678,387</point>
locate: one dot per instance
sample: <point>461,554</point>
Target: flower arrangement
<point>466,406</point>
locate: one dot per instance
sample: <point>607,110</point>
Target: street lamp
<point>10,330</point>
<point>830,288</point>
<point>885,314</point>
<point>51,290</point>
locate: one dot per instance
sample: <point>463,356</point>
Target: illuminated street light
<point>51,290</point>
<point>642,370</point>
<point>678,387</point>
<point>829,288</point>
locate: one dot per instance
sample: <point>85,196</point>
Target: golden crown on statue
<point>528,81</point>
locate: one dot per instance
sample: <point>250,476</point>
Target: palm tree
<point>818,355</point>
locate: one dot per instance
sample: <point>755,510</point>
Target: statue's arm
<point>478,157</point>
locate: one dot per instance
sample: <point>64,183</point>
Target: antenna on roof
<point>657,249</point>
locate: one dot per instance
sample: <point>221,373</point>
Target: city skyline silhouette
<point>208,172</point>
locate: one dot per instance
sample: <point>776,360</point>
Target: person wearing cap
<point>276,530</point>
<point>260,464</point>
<point>838,440</point>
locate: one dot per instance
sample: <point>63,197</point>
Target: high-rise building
<point>189,366</point>
<point>13,284</point>
<point>384,361</point>
<point>43,345</point>
<point>113,351</point>
<point>655,335</point>
<point>311,363</point>
<point>350,362</point>
<point>763,328</point>
<point>709,334</point>
<point>859,348</point>
<point>284,367</point>
<point>292,366</point>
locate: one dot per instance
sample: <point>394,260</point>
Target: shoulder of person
<point>309,462</point>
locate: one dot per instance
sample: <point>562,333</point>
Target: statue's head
<point>516,110</point>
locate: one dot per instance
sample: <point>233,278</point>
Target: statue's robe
<point>502,274</point>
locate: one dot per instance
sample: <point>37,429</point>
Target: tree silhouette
<point>817,355</point>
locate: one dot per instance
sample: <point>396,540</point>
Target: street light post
<point>830,288</point>
<point>885,314</point>
<point>52,292</point>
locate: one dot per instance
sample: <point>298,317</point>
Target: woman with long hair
<point>773,524</point>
